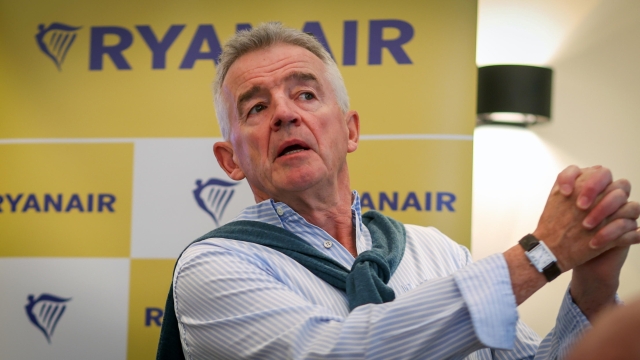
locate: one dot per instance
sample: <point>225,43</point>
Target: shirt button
<point>327,244</point>
<point>279,211</point>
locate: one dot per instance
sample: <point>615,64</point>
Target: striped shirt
<point>239,300</point>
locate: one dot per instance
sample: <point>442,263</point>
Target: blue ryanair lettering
<point>98,48</point>
<point>31,203</point>
<point>58,203</point>
<point>205,43</point>
<point>366,201</point>
<point>204,33</point>
<point>74,203</point>
<point>48,200</point>
<point>314,28</point>
<point>243,26</point>
<point>444,201</point>
<point>411,201</point>
<point>159,47</point>
<point>106,201</point>
<point>13,201</point>
<point>377,43</point>
<point>349,45</point>
<point>153,315</point>
<point>393,204</point>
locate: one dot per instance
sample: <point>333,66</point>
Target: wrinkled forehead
<point>269,64</point>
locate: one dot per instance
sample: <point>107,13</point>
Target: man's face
<point>288,133</point>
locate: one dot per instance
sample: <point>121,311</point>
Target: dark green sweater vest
<point>366,283</point>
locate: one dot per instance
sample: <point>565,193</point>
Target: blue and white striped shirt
<point>235,299</point>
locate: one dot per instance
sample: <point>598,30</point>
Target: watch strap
<point>529,242</point>
<point>551,270</point>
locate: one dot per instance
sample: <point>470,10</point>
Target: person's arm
<point>609,221</point>
<point>231,303</point>
<point>589,222</point>
<point>570,325</point>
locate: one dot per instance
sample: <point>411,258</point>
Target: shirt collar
<point>356,210</point>
<point>275,213</point>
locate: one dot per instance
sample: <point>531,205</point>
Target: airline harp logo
<point>56,40</point>
<point>45,312</point>
<point>214,196</point>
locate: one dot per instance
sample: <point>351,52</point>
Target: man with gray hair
<point>303,274</point>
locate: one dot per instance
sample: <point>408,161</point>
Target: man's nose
<point>284,115</point>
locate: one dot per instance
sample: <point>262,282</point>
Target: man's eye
<point>307,96</point>
<point>256,109</point>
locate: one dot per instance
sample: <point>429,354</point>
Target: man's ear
<point>353,125</point>
<point>224,154</point>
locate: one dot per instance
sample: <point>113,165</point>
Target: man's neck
<point>336,220</point>
<point>327,207</point>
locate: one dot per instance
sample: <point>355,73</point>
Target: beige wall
<point>596,120</point>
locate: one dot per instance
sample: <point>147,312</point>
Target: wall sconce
<point>514,95</point>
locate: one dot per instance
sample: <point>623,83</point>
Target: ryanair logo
<point>213,197</point>
<point>56,40</point>
<point>83,203</point>
<point>204,43</point>
<point>45,312</point>
<point>440,201</point>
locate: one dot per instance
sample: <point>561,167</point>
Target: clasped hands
<point>589,223</point>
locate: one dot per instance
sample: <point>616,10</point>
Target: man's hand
<point>594,217</point>
<point>594,283</point>
<point>611,199</point>
<point>586,215</point>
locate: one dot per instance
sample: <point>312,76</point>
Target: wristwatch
<point>540,256</point>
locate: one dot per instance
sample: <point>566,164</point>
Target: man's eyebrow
<point>246,96</point>
<point>302,77</point>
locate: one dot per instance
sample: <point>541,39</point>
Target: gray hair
<point>263,36</point>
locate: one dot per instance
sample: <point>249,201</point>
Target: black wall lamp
<point>514,94</point>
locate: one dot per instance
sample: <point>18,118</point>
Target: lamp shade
<point>514,94</point>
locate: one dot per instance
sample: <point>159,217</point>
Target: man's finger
<point>629,238</point>
<point>567,178</point>
<point>612,231</point>
<point>597,180</point>
<point>622,184</point>
<point>630,210</point>
<point>606,207</point>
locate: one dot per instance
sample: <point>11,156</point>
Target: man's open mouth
<point>292,149</point>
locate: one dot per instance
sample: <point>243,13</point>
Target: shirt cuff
<point>570,319</point>
<point>486,288</point>
<point>571,323</point>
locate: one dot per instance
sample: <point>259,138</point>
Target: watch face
<point>540,257</point>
